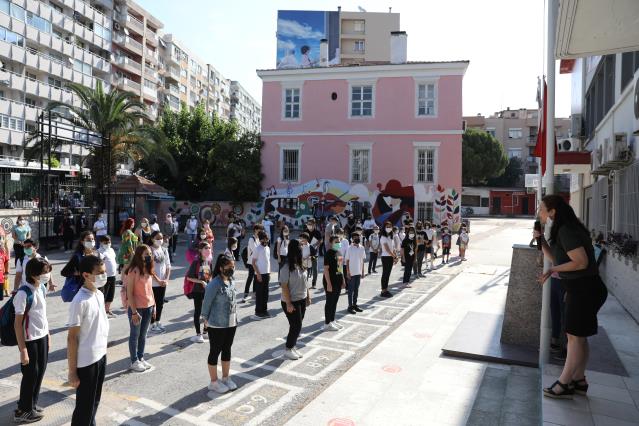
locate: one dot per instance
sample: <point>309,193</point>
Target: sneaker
<point>338,325</point>
<point>386,294</point>
<point>197,339</point>
<point>24,417</point>
<point>161,327</point>
<point>218,386</point>
<point>205,335</point>
<point>257,317</point>
<point>244,299</point>
<point>357,309</point>
<point>375,272</point>
<point>265,316</point>
<point>289,354</point>
<point>298,353</point>
<point>38,409</point>
<point>145,364</point>
<point>153,328</point>
<point>351,310</point>
<point>137,366</point>
<point>229,383</point>
<point>329,327</point>
<point>111,315</point>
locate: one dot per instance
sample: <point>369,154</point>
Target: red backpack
<point>188,285</point>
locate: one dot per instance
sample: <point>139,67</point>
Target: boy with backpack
<point>87,341</point>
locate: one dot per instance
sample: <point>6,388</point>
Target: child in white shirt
<point>355,259</point>
<point>108,257</point>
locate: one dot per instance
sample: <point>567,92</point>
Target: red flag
<point>540,147</point>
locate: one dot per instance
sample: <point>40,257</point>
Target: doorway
<point>496,206</point>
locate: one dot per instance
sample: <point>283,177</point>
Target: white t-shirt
<point>344,244</point>
<point>267,227</point>
<point>155,227</point>
<point>306,250</point>
<point>100,227</point>
<point>373,243</point>
<point>191,226</point>
<point>387,241</point>
<point>283,244</point>
<point>355,256</point>
<point>262,257</point>
<point>86,310</point>
<point>108,256</point>
<point>368,224</point>
<point>162,263</point>
<point>37,324</point>
<point>21,266</point>
<point>429,234</point>
<point>250,247</point>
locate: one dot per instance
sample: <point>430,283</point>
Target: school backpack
<point>8,317</point>
<point>188,285</point>
<point>244,256</point>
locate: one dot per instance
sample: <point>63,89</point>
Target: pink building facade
<point>378,139</point>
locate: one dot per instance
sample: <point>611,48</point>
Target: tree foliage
<point>512,175</point>
<point>214,160</point>
<point>483,157</point>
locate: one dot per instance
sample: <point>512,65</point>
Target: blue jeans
<point>137,338</point>
<point>353,289</point>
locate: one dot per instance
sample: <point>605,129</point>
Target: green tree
<point>483,157</point>
<point>512,175</point>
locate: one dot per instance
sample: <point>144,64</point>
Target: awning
<point>572,162</point>
<point>596,27</point>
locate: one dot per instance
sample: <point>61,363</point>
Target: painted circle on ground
<point>391,368</point>
<point>340,422</point>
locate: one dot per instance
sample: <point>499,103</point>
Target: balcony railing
<point>125,61</point>
<point>135,23</point>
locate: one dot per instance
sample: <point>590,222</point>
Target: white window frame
<point>290,146</point>
<point>515,152</point>
<point>357,147</point>
<point>358,83</point>
<point>356,43</point>
<point>286,87</point>
<point>521,133</point>
<point>426,208</point>
<point>426,81</point>
<point>417,146</point>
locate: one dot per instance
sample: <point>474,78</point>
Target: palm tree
<point>117,117</point>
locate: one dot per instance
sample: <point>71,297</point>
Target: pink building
<point>375,138</point>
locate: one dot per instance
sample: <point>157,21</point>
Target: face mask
<point>100,280</point>
<point>44,279</point>
<point>28,252</point>
<point>105,246</point>
<point>376,231</point>
<point>207,226</point>
<point>411,236</point>
<point>355,240</point>
<point>311,227</point>
<point>206,253</point>
<point>202,236</point>
<point>145,224</point>
<point>389,230</point>
<point>89,244</point>
<point>336,246</point>
<point>192,217</point>
<point>228,273</point>
<point>285,233</point>
<point>147,260</point>
<point>168,219</point>
<point>157,243</point>
<point>22,222</point>
<point>233,248</point>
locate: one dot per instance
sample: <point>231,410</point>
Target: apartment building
<point>516,129</point>
<point>365,36</point>
<point>135,54</point>
<point>187,79</point>
<point>245,110</point>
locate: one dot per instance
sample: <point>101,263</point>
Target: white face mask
<point>105,246</point>
<point>411,236</point>
<point>389,230</point>
<point>44,279</point>
<point>202,236</point>
<point>89,244</point>
<point>233,248</point>
<point>157,243</point>
<point>100,280</point>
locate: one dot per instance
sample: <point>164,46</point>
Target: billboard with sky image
<point>298,37</point>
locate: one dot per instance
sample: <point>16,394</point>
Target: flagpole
<point>549,182</point>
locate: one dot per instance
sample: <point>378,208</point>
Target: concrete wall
<point>621,276</point>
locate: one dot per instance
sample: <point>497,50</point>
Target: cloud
<point>288,28</point>
<point>285,44</point>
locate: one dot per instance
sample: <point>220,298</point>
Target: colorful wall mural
<point>326,197</point>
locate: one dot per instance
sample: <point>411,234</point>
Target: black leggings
<point>332,297</point>
<point>198,298</point>
<point>158,295</point>
<point>387,267</point>
<point>295,319</point>
<point>33,373</point>
<point>220,340</point>
<point>408,269</point>
<point>249,280</point>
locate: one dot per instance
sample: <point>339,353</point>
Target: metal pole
<point>545,332</point>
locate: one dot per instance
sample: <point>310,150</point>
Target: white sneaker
<point>145,364</point>
<point>197,339</point>
<point>330,327</point>
<point>205,336</point>
<point>338,325</point>
<point>298,353</point>
<point>229,383</point>
<point>257,318</point>
<point>161,327</point>
<point>137,366</point>
<point>289,354</point>
<point>218,386</point>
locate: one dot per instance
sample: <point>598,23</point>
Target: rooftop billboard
<point>298,37</point>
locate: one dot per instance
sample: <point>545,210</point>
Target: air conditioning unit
<point>568,145</point>
<point>116,26</point>
<point>619,147</point>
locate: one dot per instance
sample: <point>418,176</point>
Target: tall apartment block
<point>365,36</point>
<point>187,79</point>
<point>245,110</point>
<point>135,53</point>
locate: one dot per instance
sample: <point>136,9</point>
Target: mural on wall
<point>323,198</point>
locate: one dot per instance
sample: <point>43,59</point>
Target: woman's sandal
<point>566,391</point>
<point>580,386</point>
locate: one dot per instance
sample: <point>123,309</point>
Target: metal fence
<point>627,211</point>
<point>598,220</point>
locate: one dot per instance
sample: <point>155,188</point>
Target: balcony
<point>129,64</point>
<point>151,37</point>
<point>150,93</point>
<point>172,73</point>
<point>150,55</point>
<point>129,43</point>
<point>174,90</point>
<point>135,24</point>
<point>127,85</point>
<point>532,140</point>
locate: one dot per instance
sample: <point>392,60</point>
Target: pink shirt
<point>142,289</point>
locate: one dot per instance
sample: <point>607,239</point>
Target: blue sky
<point>502,39</point>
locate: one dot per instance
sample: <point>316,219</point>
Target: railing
<point>121,81</point>
<point>135,21</point>
<point>124,60</point>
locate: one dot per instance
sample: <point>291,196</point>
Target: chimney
<point>323,52</point>
<point>398,46</point>
<point>339,8</point>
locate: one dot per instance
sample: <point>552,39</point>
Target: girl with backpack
<point>138,300</point>
<point>71,271</point>
<point>193,250</point>
<point>199,274</point>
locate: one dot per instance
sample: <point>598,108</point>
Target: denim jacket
<point>219,302</point>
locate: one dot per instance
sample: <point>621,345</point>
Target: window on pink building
<point>362,101</point>
<point>424,211</point>
<point>290,165</point>
<point>426,99</point>
<point>425,165</point>
<point>360,160</point>
<point>292,103</point>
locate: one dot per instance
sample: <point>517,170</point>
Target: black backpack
<point>8,317</point>
<point>244,256</point>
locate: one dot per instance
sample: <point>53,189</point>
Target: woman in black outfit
<point>409,248</point>
<point>572,254</point>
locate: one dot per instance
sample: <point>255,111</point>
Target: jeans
<point>261,295</point>
<point>420,261</point>
<point>88,394</point>
<point>220,341</point>
<point>313,270</point>
<point>557,310</point>
<point>158,295</point>
<point>137,338</point>
<point>33,373</point>
<point>173,244</point>
<point>387,267</point>
<point>192,238</point>
<point>295,319</point>
<point>408,269</point>
<point>332,297</point>
<point>372,262</point>
<point>198,298</point>
<point>249,280</point>
<point>353,290</point>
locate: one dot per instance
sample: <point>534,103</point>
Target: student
<point>250,248</point>
<point>305,246</point>
<point>191,229</point>
<point>206,227</point>
<point>108,256</point>
<point>261,261</point>
<point>463,243</point>
<point>389,257</point>
<point>343,242</point>
<point>68,230</point>
<point>231,247</point>
<point>333,281</point>
<point>430,242</point>
<point>446,243</point>
<point>219,311</point>
<point>408,255</point>
<point>170,231</point>
<point>155,226</point>
<point>30,252</point>
<point>355,259</point>
<point>144,231</point>
<point>234,230</point>
<point>281,247</point>
<point>421,242</point>
<point>162,269</point>
<point>20,233</point>
<point>139,296</point>
<point>85,247</point>
<point>315,242</point>
<point>374,249</point>
<point>4,268</point>
<point>369,226</point>
<point>295,297</point>
<point>434,230</point>
<point>330,230</point>
<point>100,228</point>
<point>87,341</point>
<point>199,274</point>
<point>267,223</point>
<point>32,334</point>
